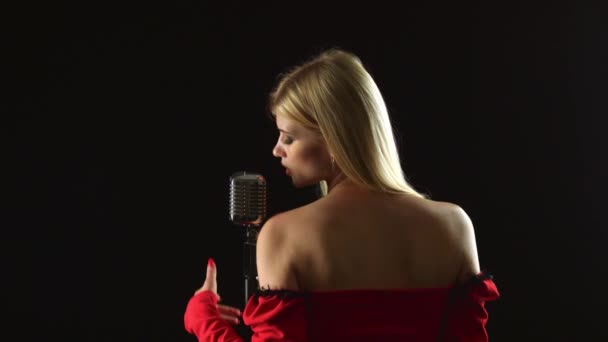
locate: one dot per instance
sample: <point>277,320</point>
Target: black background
<point>126,120</point>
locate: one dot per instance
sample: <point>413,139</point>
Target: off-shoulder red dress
<point>410,315</point>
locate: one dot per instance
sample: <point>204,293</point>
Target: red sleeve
<point>203,319</point>
<point>276,318</point>
<point>468,323</point>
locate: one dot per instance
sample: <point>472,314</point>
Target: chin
<point>304,183</point>
<point>297,184</point>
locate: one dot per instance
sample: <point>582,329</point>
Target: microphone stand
<point>249,260</point>
<point>249,273</point>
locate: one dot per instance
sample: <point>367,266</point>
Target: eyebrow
<point>284,131</point>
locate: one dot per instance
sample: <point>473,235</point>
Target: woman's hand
<point>228,313</point>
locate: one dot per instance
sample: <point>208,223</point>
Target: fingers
<point>228,310</point>
<point>211,270</point>
<point>230,319</point>
<point>229,313</point>
<point>211,278</point>
<point>202,288</point>
<point>210,283</point>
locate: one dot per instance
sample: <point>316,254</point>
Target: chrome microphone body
<point>247,199</point>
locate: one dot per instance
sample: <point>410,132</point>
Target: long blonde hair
<point>334,95</point>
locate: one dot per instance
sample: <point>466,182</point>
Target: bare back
<point>359,239</point>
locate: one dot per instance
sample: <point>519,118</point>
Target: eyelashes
<point>285,139</point>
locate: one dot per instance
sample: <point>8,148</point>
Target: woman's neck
<point>339,183</point>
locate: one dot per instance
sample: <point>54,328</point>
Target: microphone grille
<point>247,204</point>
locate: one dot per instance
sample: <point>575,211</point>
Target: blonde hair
<point>334,95</point>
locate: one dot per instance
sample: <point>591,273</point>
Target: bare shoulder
<point>451,212</point>
<point>462,227</point>
<point>285,225</point>
<point>280,244</point>
<point>304,217</point>
<point>274,254</point>
<point>455,228</point>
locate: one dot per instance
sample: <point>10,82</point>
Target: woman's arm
<point>273,259</point>
<point>203,317</point>
<point>203,320</point>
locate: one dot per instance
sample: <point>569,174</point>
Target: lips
<point>287,171</point>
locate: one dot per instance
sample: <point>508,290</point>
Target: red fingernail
<point>211,262</point>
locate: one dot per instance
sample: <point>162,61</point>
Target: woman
<point>372,259</point>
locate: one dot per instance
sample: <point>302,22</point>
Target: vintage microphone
<point>248,209</point>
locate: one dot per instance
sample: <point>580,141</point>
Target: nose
<point>278,151</point>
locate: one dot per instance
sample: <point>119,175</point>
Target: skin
<point>304,155</point>
<point>355,238</point>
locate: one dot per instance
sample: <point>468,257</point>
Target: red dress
<point>430,314</point>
